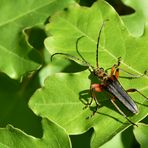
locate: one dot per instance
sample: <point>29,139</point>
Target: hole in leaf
<point>120,7</point>
<point>87,3</point>
<point>36,37</point>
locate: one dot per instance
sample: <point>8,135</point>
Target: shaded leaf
<point>115,142</point>
<point>141,134</point>
<point>53,137</point>
<point>124,139</point>
<point>14,109</point>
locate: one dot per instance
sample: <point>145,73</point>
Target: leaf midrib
<point>107,51</point>
<point>11,53</point>
<point>26,13</point>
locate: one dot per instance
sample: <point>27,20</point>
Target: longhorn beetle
<point>108,83</point>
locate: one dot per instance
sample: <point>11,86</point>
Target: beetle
<point>107,82</point>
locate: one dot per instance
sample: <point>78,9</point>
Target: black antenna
<point>98,42</point>
<point>70,57</point>
<point>78,50</point>
<point>90,66</point>
<point>81,61</point>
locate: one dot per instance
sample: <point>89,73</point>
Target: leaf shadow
<point>14,110</point>
<point>104,100</point>
<point>145,105</point>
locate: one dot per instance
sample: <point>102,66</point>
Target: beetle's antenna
<point>98,42</point>
<point>80,53</point>
<point>75,59</point>
<point>78,50</point>
<point>81,61</point>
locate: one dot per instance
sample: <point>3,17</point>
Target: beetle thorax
<point>101,74</point>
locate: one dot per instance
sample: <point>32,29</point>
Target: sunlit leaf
<point>16,57</point>
<point>62,99</point>
<point>136,21</point>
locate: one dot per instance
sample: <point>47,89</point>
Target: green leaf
<point>61,100</point>
<point>16,57</point>
<point>14,109</point>
<point>115,142</point>
<point>124,139</point>
<point>141,134</point>
<point>135,22</point>
<point>53,137</point>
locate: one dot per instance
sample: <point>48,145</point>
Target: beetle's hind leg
<point>135,90</point>
<point>121,112</point>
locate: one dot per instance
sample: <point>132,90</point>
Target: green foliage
<point>58,90</point>
<point>141,134</point>
<point>17,57</point>
<point>116,42</point>
<point>14,138</point>
<point>140,16</point>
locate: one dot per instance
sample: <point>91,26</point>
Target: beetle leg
<point>135,90</point>
<point>119,62</point>
<point>89,103</point>
<point>115,69</point>
<point>117,73</point>
<point>121,112</point>
<point>93,89</point>
<point>133,76</point>
<point>112,71</point>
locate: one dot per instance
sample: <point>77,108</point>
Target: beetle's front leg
<point>115,69</point>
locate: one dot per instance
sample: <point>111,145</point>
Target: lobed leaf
<point>141,134</point>
<point>63,97</point>
<point>140,15</point>
<point>53,137</point>
<point>16,57</point>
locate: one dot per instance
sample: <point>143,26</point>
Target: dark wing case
<point>114,87</point>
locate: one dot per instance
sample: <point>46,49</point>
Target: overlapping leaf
<point>61,100</point>
<point>136,21</point>
<point>16,57</point>
<point>53,137</point>
<point>141,135</point>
